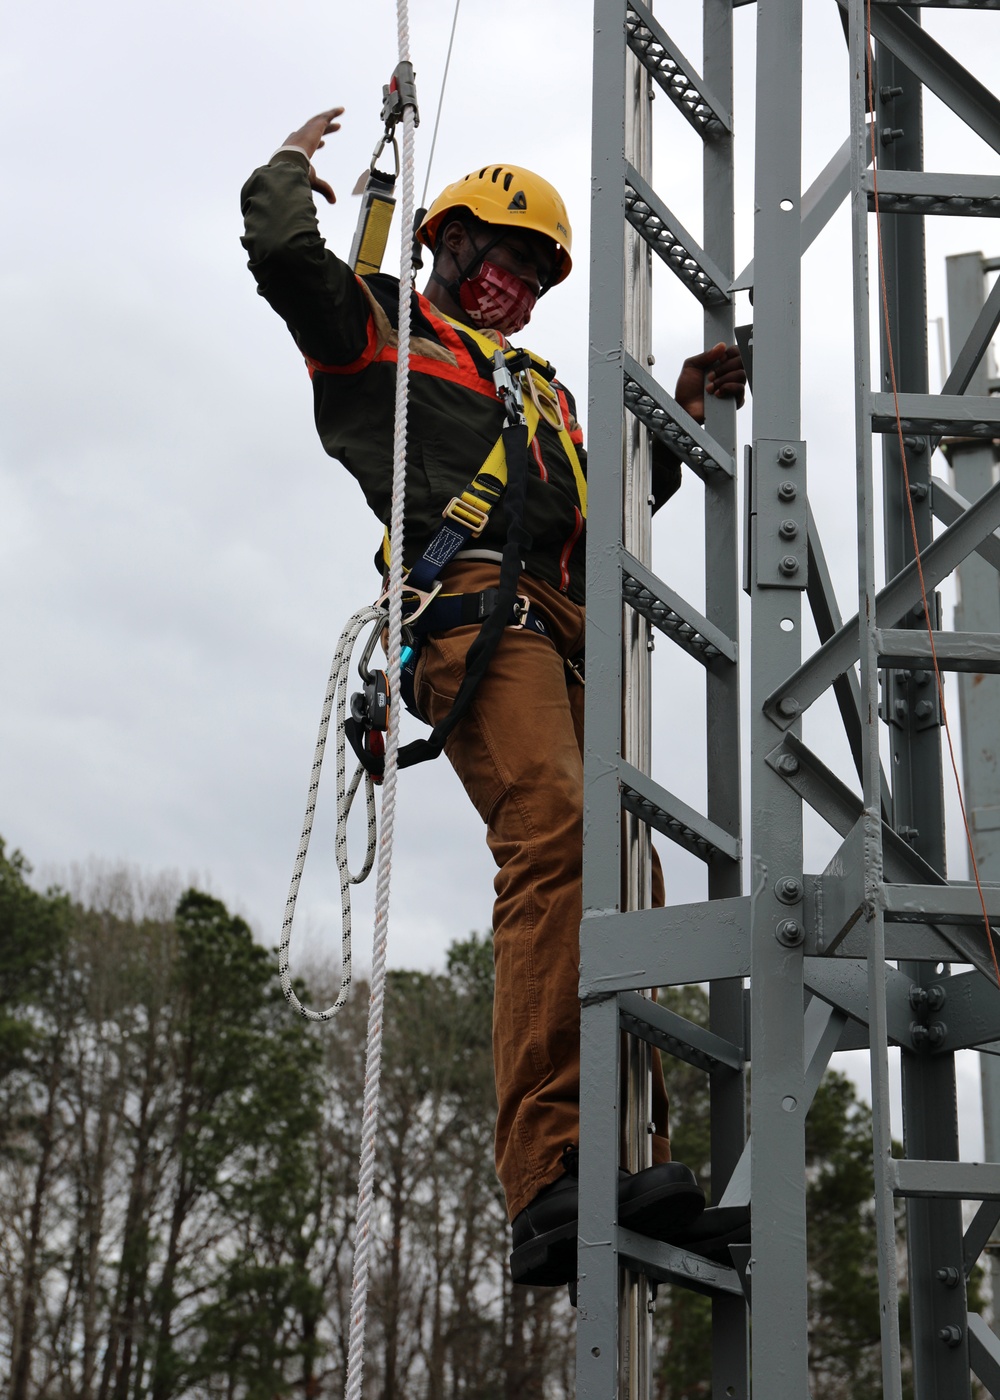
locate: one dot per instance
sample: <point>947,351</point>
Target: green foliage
<point>178,1173</point>
<point>32,934</point>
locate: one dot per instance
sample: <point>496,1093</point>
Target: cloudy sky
<point>177,555</point>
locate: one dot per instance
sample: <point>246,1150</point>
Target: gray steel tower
<point>879,949</point>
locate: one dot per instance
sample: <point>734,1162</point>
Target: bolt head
<point>788,764</point>
<point>789,565</point>
<point>787,455</point>
<point>788,708</point>
<point>789,933</point>
<point>788,890</point>
<point>787,491</point>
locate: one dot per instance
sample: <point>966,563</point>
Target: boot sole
<point>549,1260</point>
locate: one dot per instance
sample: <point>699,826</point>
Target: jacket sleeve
<point>666,473</point>
<point>314,291</point>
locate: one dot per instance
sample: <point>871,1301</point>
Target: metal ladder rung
<point>696,1045</point>
<point>910,649</point>
<point>937,415</point>
<point>674,616</point>
<point>666,1263</point>
<point>924,192</point>
<point>966,1181</point>
<point>674,818</point>
<point>663,416</point>
<point>675,75</point>
<point>670,240</point>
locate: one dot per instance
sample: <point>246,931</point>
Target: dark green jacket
<point>345,327</point>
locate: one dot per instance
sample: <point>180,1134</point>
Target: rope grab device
<point>377,187</point>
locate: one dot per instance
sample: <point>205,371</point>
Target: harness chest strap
<point>466,515</point>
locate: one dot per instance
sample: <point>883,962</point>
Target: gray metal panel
<point>662,947</point>
<point>845,985</point>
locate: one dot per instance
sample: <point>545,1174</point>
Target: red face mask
<point>496,300</point>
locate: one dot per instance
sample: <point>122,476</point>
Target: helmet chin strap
<point>454,286</point>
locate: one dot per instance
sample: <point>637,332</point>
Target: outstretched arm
<point>308,139</point>
<point>313,290</point>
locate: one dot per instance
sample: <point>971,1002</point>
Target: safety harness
<point>502,477</point>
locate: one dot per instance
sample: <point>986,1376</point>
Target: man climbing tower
<point>500,238</point>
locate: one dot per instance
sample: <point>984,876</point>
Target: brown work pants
<point>519,755</point>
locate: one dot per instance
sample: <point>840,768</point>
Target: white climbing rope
<point>373,1062</point>
<point>334,700</point>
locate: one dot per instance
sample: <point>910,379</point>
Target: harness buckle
<point>520,610</point>
<point>465,510</point>
<point>423,598</point>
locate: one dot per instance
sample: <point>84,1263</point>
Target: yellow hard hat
<point>506,194</point>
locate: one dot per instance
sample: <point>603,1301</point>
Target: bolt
<point>948,1276</point>
<point>919,490</point>
<point>788,455</point>
<point>650,359</point>
<point>929,1037</point>
<point>899,709</point>
<point>934,997</point>
<point>788,890</point>
<point>789,933</point>
<point>890,134</point>
<point>951,1335</point>
<point>908,833</point>
<point>917,445</point>
<point>787,491</point>
<point>788,765</point>
<point>921,677</point>
<point>789,565</point>
<point>924,709</point>
<point>788,529</point>
<point>788,707</point>
<point>887,93</point>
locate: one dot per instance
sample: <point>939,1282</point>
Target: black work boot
<point>654,1202</point>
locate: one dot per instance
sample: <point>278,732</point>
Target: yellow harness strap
<point>474,504</point>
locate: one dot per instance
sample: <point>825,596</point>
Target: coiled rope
<point>334,700</point>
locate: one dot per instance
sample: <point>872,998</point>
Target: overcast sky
<point>178,555</point>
